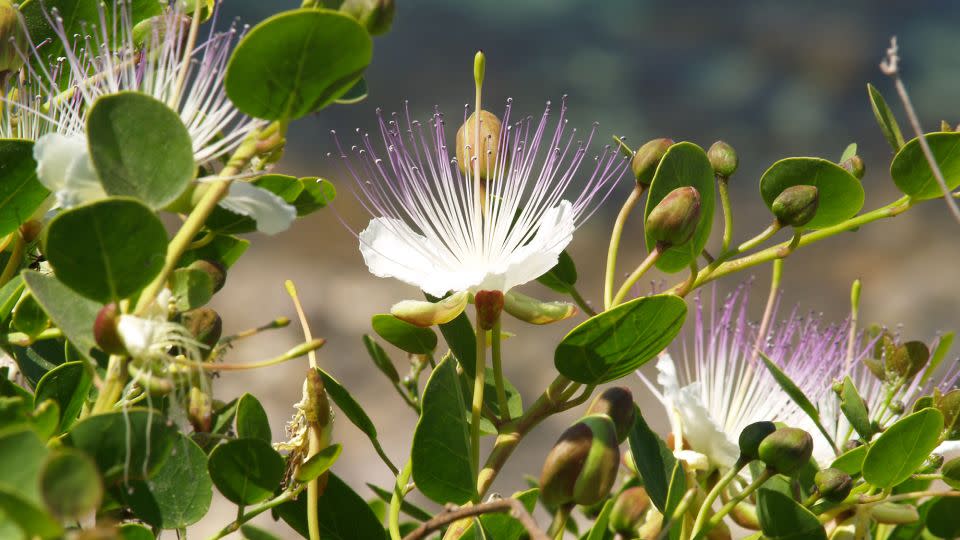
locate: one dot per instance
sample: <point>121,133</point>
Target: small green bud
<point>489,144</point>
<point>931,465</point>
<point>949,405</point>
<point>786,450</point>
<point>204,324</point>
<point>796,205</point>
<point>675,218</point>
<point>833,484</point>
<point>105,331</point>
<point>374,15</point>
<point>951,473</point>
<point>426,314</point>
<point>533,311</point>
<point>723,158</point>
<point>854,165</point>
<point>751,437</point>
<point>647,158</point>
<point>216,271</point>
<point>628,511</point>
<point>12,38</point>
<point>582,466</point>
<point>889,513</point>
<point>897,407</point>
<point>617,403</point>
<point>909,359</point>
<point>489,305</point>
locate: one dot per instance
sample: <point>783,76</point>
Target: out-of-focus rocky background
<point>774,79</point>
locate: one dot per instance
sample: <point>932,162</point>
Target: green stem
<point>559,522</point>
<point>575,294</point>
<point>753,242</point>
<point>478,381</point>
<point>854,317</point>
<point>112,384</point>
<point>615,236</point>
<point>714,493</point>
<point>23,340</point>
<point>637,274</point>
<point>498,372</point>
<point>16,257</point>
<point>399,490</point>
<point>723,185</point>
<point>258,509</point>
<point>725,509</point>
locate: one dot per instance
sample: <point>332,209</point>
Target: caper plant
<point>117,113</point>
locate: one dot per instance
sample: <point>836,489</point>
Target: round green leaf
<point>179,493</point>
<point>20,191</point>
<point>106,250</point>
<point>319,463</point>
<point>191,287</point>
<point>126,445</point>
<point>403,335</point>
<point>68,385</point>
<point>252,420</point>
<point>22,454</point>
<point>70,484</point>
<point>943,518</point>
<point>616,342</point>
<point>246,471</point>
<point>900,450</point>
<point>72,313</point>
<point>29,317</point>
<point>563,276</point>
<point>911,172</point>
<point>297,62</point>
<point>140,148</point>
<point>316,194</point>
<point>135,531</point>
<point>783,518</point>
<point>684,164</point>
<point>840,193</point>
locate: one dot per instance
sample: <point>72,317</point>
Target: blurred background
<point>774,79</point>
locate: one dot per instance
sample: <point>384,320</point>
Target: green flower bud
<point>796,205</point>
<point>533,311</point>
<point>617,403</point>
<point>105,330</point>
<point>889,513</point>
<point>786,450</point>
<point>854,165</point>
<point>833,484</point>
<point>12,38</point>
<point>674,220</point>
<point>751,437</point>
<point>204,324</point>
<point>949,405</point>
<point>489,144</point>
<point>216,271</point>
<point>723,158</point>
<point>951,473</point>
<point>909,359</point>
<point>200,410</point>
<point>374,15</point>
<point>489,305</point>
<point>427,314</point>
<point>628,511</point>
<point>582,465</point>
<point>647,158</point>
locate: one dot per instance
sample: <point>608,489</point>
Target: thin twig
<point>449,515</point>
<point>890,67</point>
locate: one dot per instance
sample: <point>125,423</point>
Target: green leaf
<point>68,385</point>
<point>90,248</point>
<point>252,420</point>
<point>73,314</point>
<point>886,120</point>
<point>853,407</point>
<point>381,359</point>
<point>224,249</point>
<point>32,520</point>
<point>179,493</point>
<point>29,317</point>
<point>297,62</point>
<point>223,221</point>
<point>191,287</point>
<point>936,357</point>
<point>618,341</point>
<point>943,518</point>
<point>126,445</point>
<point>403,335</point>
<point>356,94</point>
<point>319,463</point>
<point>900,450</point>
<point>599,530</point>
<point>342,514</point>
<point>653,460</point>
<point>911,172</point>
<point>246,471</point>
<point>461,339</point>
<point>490,399</point>
<point>840,194</point>
<point>70,484</point>
<point>135,531</point>
<point>140,148</point>
<point>21,194</point>
<point>563,276</point>
<point>22,455</point>
<point>354,412</point>
<point>848,152</point>
<point>406,506</point>
<point>684,164</point>
<point>9,296</point>
<point>782,518</point>
<point>441,441</point>
<point>255,533</point>
<point>851,461</point>
<point>797,395</point>
<point>317,193</point>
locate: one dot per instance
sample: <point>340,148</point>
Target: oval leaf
<point>73,314</point>
<point>342,514</point>
<point>126,445</point>
<point>252,420</point>
<point>246,471</point>
<point>616,342</point>
<point>20,191</point>
<point>885,119</point>
<point>783,518</point>
<point>319,463</point>
<point>68,385</point>
<point>900,450</point>
<point>403,335</point>
<point>840,193</point>
<point>180,492</point>
<point>70,484</point>
<point>911,172</point>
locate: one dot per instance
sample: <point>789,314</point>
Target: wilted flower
<point>442,230</point>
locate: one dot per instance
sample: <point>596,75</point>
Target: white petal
<point>138,334</point>
<point>390,248</point>
<point>272,214</point>
<point>64,167</point>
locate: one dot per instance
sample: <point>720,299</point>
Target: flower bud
<point>216,271</point>
<point>204,324</point>
<point>105,331</point>
<point>833,484</point>
<point>723,158</point>
<point>374,15</point>
<point>31,230</point>
<point>931,465</point>
<point>786,450</point>
<point>949,405</point>
<point>647,158</point>
<point>854,165</point>
<point>628,511</point>
<point>909,359</point>
<point>674,220</point>
<point>426,314</point>
<point>796,205</point>
<point>851,444</point>
<point>582,465</point>
<point>12,39</point>
<point>951,473</point>
<point>533,311</point>
<point>489,305</point>
<point>200,410</point>
<point>616,403</point>
<point>489,144</point>
<point>889,513</point>
<point>751,437</point>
